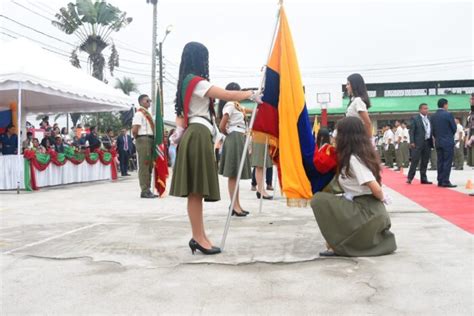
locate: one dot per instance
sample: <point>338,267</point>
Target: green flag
<point>159,129</point>
<point>159,151</point>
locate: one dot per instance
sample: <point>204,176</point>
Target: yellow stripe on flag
<point>291,104</point>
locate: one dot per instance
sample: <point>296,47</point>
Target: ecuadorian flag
<point>283,119</point>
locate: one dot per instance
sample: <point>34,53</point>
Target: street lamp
<point>160,52</point>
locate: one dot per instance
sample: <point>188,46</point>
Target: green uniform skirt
<point>258,151</point>
<point>195,169</point>
<point>231,155</point>
<point>358,228</point>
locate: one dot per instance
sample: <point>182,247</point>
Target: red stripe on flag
<point>267,120</point>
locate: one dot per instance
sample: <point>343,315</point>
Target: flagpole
<point>264,173</point>
<point>247,139</point>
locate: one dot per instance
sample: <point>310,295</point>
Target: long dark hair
<point>352,139</point>
<point>358,88</point>
<point>322,137</point>
<point>231,86</point>
<point>194,60</point>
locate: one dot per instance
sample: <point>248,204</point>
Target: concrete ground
<point>99,249</point>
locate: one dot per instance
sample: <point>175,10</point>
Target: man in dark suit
<point>93,139</point>
<point>444,129</point>
<point>125,147</point>
<point>420,143</point>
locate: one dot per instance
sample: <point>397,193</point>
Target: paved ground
<point>98,248</point>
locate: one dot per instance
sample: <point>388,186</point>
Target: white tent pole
<point>19,139</point>
<point>247,139</point>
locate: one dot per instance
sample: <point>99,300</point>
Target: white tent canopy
<point>40,82</point>
<point>50,84</point>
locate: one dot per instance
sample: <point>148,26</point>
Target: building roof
<point>457,102</point>
<point>386,105</point>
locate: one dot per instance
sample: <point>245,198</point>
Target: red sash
<point>148,118</point>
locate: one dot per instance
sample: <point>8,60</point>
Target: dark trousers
<point>420,153</point>
<point>445,162</point>
<point>123,158</point>
<point>268,176</point>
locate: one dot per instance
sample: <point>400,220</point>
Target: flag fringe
<point>292,202</point>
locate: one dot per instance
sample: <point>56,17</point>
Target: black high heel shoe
<point>194,245</point>
<point>265,197</point>
<point>241,214</point>
<point>245,212</point>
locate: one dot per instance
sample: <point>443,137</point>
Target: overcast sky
<point>385,41</point>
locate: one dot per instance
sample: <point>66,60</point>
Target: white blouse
<point>199,104</point>
<point>236,118</point>
<point>356,106</point>
<point>355,185</point>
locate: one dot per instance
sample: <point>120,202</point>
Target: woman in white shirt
<point>233,125</point>
<point>195,171</point>
<point>356,223</point>
<point>360,103</point>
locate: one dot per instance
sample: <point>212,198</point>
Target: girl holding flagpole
<point>195,171</point>
<point>233,125</point>
<point>356,223</point>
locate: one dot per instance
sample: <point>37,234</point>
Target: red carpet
<point>453,206</point>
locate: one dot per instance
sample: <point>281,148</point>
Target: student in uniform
<point>143,130</point>
<point>233,126</point>
<point>405,145</point>
<point>195,171</point>
<point>257,160</point>
<point>459,146</point>
<point>389,148</point>
<point>356,223</point>
<point>359,101</point>
<point>398,140</point>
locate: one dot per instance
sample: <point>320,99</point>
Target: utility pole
<point>160,59</point>
<point>153,56</point>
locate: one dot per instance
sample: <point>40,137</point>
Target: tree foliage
<point>92,22</point>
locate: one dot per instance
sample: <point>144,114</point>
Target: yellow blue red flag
<point>283,119</point>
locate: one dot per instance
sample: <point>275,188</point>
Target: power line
<point>50,20</point>
<point>64,53</point>
<point>37,31</point>
<point>32,11</point>
<point>63,41</point>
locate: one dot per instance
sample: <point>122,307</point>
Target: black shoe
<point>245,212</point>
<point>265,197</point>
<point>147,195</point>
<point>448,185</point>
<point>328,253</point>
<point>153,194</point>
<point>426,182</point>
<point>194,245</point>
<point>127,175</point>
<point>409,181</point>
<point>241,214</point>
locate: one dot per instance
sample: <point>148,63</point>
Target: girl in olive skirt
<point>195,171</point>
<point>356,223</point>
<point>233,125</point>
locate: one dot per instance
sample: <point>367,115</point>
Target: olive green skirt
<point>231,155</point>
<point>195,169</point>
<point>358,228</point>
<point>258,152</point>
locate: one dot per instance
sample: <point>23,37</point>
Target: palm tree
<point>153,51</point>
<point>127,85</point>
<point>93,23</point>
